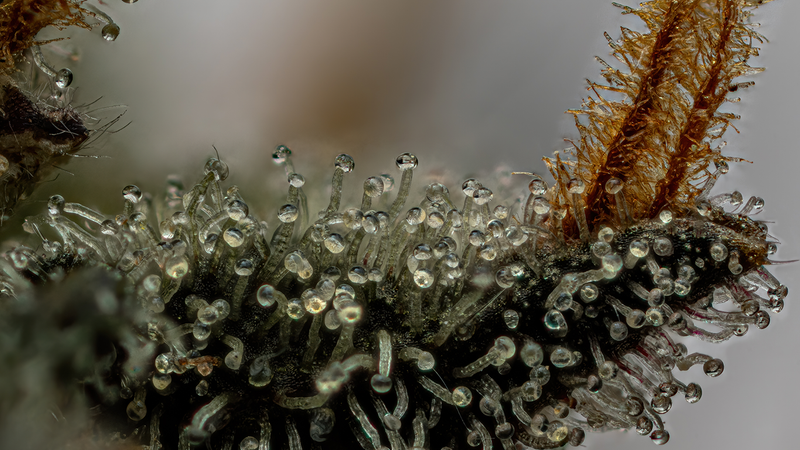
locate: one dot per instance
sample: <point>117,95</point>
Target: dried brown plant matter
<point>22,20</point>
<point>658,129</point>
<point>35,135</point>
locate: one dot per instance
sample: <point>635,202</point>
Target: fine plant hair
<point>401,319</point>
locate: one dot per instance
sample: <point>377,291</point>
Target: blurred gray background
<point>465,85</point>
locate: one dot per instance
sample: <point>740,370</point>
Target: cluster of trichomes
<point>386,326</point>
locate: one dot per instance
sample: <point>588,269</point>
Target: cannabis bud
<point>422,322</point>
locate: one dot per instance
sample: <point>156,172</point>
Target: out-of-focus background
<point>465,85</point>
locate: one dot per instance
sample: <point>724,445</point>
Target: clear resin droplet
<point>661,404</point>
<point>594,383</point>
<point>425,362</point>
<point>531,354</point>
<point>644,426</point>
<point>201,331</point>
<point>55,205</point>
<point>373,187</point>
<point>662,246</point>
<point>636,319</point>
<point>248,443</point>
<point>655,316</point>
<point>613,186</point>
<point>380,383</point>
<point>563,301</point>
<point>136,410</point>
<point>244,267</point>
<point>357,275</point>
<point>423,278</point>
<point>266,295</point>
<point>295,309</point>
<point>296,180</point>
<point>561,357</point>
<point>660,437</point>
<point>132,193</point>
<point>281,154</point>
<point>350,312</point>
<point>718,251</point>
<point>557,431</point>
<point>233,237</point>
<point>208,315</point>
<point>531,391</point>
<point>110,32</point>
<point>713,367</point>
<point>618,331</point>
<point>334,243</point>
<point>608,370</point>
<point>540,375</point>
<point>406,161</point>
<point>345,163</point>
<point>177,267</point>
<point>332,321</point>
<point>63,78</point>
<point>589,292</point>
<point>639,248</point>
<point>555,323</point>
<point>511,318</point>
<point>260,372</point>
<point>605,235</point>
<point>161,381</point>
<point>462,396</point>
<point>693,392</point>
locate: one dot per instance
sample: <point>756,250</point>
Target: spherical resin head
<point>388,182</point>
<point>281,154</point>
<point>132,193</point>
<point>531,354</point>
<point>244,267</point>
<point>537,186</point>
<point>561,357</point>
<point>358,275</point>
<point>426,361</point>
<point>313,301</point>
<point>470,186</point>
<point>176,267</point>
<point>288,213</point>
<point>373,187</point>
<point>406,161</point>
<point>110,32</point>
<point>462,396</point>
<point>63,78</point>
<point>233,237</point>
<point>345,163</point>
<point>639,248</point>
<point>511,319</point>
<point>55,205</point>
<point>380,383</point>
<point>335,243</point>
<point>237,210</point>
<point>350,312</point>
<point>482,195</point>
<point>266,295</point>
<point>295,309</point>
